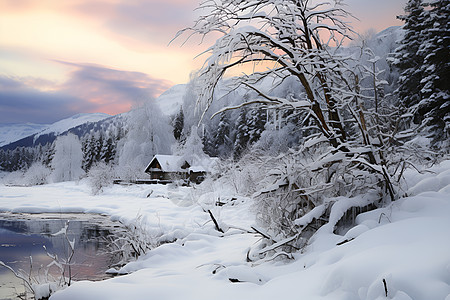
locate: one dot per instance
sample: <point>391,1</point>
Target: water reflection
<point>24,236</point>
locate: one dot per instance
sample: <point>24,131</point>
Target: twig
<point>215,221</point>
<point>263,234</point>
<point>345,241</point>
<point>385,287</point>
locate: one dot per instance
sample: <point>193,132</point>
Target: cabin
<point>167,167</point>
<point>171,167</point>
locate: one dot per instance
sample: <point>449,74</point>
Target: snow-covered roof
<point>173,163</point>
<point>168,163</point>
<point>206,164</point>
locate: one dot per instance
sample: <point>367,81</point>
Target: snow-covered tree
<point>256,123</point>
<point>178,124</point>
<point>192,149</point>
<point>66,162</point>
<point>284,35</point>
<point>149,133</point>
<point>424,64</point>
<point>271,42</point>
<point>406,57</point>
<point>222,138</point>
<point>434,108</point>
<point>242,134</point>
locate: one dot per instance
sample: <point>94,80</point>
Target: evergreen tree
<point>256,124</point>
<point>208,144</point>
<point>406,57</point>
<point>242,134</point>
<point>88,152</point>
<point>223,142</point>
<point>108,150</point>
<point>423,61</point>
<point>434,108</point>
<point>178,125</point>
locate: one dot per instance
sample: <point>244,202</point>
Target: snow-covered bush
<point>100,175</point>
<point>13,178</point>
<point>37,174</point>
<point>131,240</point>
<point>297,182</point>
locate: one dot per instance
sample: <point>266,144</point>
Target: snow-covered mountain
<point>170,101</point>
<point>74,121</point>
<point>13,132</point>
<point>28,136</point>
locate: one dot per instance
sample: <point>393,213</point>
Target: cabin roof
<point>168,163</point>
<point>173,163</point>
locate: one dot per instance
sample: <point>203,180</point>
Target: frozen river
<point>22,241</point>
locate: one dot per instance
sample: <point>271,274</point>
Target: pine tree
<point>108,150</point>
<point>434,108</point>
<point>256,124</point>
<point>208,143</point>
<point>222,138</point>
<point>88,152</point>
<point>178,125</point>
<point>242,135</point>
<point>406,57</point>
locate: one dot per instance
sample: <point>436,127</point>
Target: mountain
<point>13,132</point>
<point>171,100</point>
<point>49,133</point>
<point>63,125</point>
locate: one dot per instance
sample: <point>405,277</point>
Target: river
<point>22,241</point>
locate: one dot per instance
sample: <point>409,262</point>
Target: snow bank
<point>402,250</point>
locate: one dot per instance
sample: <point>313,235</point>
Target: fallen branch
<point>263,234</point>
<point>345,241</point>
<point>215,221</point>
<point>385,287</point>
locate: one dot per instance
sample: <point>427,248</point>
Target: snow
<point>168,163</point>
<point>74,121</point>
<point>405,245</point>
<point>10,133</point>
<point>171,100</point>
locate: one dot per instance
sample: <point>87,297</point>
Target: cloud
<point>90,88</point>
<point>21,104</point>
<point>110,88</point>
<point>144,21</point>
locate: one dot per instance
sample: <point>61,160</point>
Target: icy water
<point>22,241</point>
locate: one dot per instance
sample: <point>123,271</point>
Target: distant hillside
<point>171,100</point>
<point>74,121</point>
<point>48,133</point>
<point>10,133</point>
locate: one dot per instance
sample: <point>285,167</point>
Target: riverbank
<point>403,249</point>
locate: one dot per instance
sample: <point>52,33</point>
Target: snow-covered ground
<point>404,247</point>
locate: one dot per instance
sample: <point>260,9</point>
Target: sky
<point>59,58</point>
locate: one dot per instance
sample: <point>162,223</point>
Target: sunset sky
<point>63,57</point>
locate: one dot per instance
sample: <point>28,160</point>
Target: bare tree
<point>270,41</point>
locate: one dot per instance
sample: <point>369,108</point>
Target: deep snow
<point>406,245</point>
